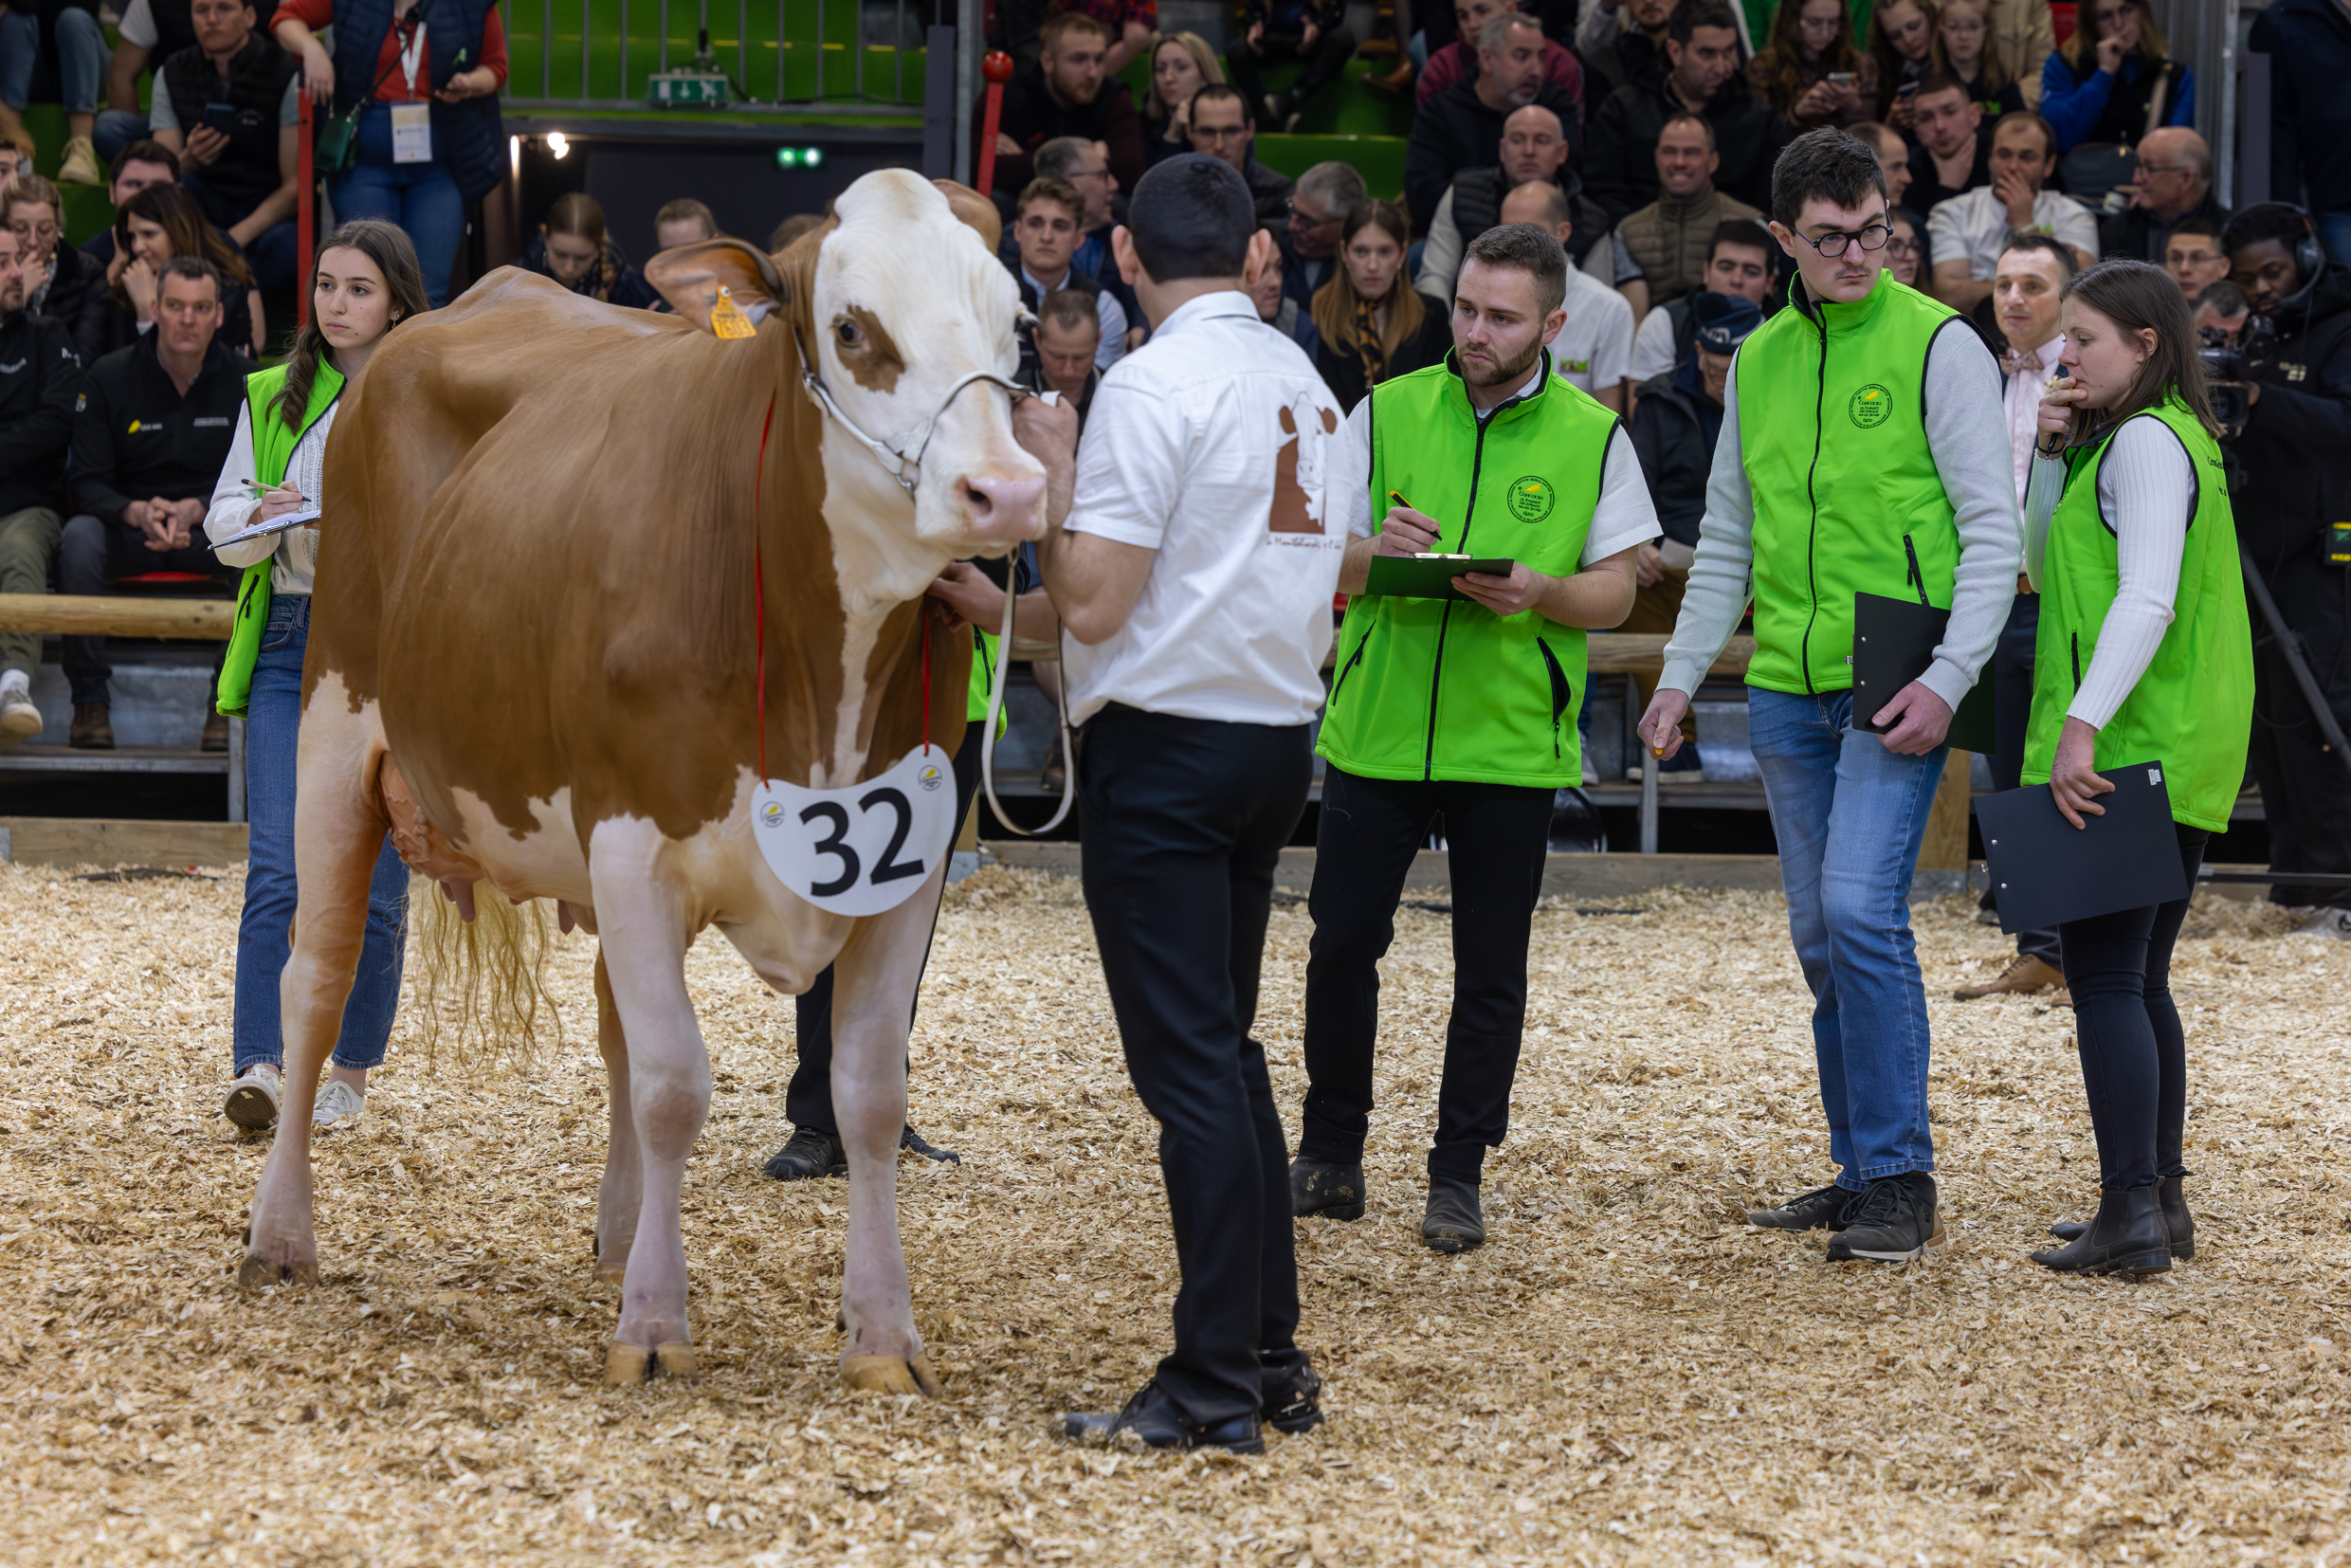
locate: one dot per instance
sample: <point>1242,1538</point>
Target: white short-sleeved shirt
<point>1211,445</point>
<point>1973,228</point>
<point>139,25</point>
<point>1594,349</point>
<point>1652,346</point>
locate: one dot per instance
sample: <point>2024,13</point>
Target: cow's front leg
<point>622,1188</point>
<point>874,983</point>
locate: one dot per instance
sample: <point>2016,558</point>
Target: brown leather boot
<point>92,730</point>
<point>2024,975</point>
<point>217,731</point>
<point>1397,86</point>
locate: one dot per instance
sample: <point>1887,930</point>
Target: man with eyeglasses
<point>1863,450</point>
<point>1221,127</point>
<point>1316,212</point>
<point>1084,165</point>
<point>2174,184</point>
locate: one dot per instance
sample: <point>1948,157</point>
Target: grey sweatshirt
<point>1967,432</point>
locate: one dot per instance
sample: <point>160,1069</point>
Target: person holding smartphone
<point>2145,657</point>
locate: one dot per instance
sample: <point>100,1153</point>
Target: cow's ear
<point>975,209</point>
<point>690,277</point>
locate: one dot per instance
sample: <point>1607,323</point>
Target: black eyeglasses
<point>1833,244</point>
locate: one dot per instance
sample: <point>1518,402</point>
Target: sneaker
<point>1454,1222</point>
<point>1293,1396</point>
<point>339,1106</point>
<point>2328,922</point>
<point>1325,1188</point>
<point>252,1101</point>
<point>811,1153</point>
<point>1822,1209</point>
<point>19,719</point>
<point>81,165</point>
<point>914,1142</point>
<point>1895,1221</point>
<point>2025,974</point>
<point>1154,1420</point>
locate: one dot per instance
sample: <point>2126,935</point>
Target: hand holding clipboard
<point>294,510</point>
<point>1409,563</point>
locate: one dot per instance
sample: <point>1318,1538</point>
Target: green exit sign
<point>799,157</point>
<point>680,89</point>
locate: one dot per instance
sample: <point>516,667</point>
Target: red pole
<point>305,211</point>
<point>998,68</point>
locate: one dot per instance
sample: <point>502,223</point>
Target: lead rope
<point>995,705</point>
<point>758,590</point>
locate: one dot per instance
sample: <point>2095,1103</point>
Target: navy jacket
<point>468,139</point>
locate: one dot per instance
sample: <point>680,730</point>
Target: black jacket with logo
<point>40,373</point>
<point>2296,449</point>
<point>135,437</point>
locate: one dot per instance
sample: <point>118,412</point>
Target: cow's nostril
<point>977,500</point>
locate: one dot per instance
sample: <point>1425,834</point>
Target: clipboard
<point>275,525</point>
<point>1427,577</point>
<point>2046,871</point>
<point>1894,643</point>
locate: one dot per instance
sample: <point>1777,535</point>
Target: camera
<point>2228,365</point>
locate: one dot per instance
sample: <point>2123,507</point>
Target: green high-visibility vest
<point>273,449</point>
<point>2192,711</point>
<point>1444,688</point>
<point>1832,434</point>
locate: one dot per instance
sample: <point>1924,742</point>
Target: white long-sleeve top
<point>2146,489</point>
<point>232,507</point>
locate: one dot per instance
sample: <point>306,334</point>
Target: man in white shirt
<point>1594,344</point>
<point>1966,235</point>
<point>1195,573</point>
<point>1052,222</point>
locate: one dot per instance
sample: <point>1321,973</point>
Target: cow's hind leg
<point>339,833</point>
<point>623,1177</point>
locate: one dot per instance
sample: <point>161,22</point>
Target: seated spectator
<point>1457,61</point>
<point>40,376</point>
<point>138,165</point>
<point>781,237</point>
<point>685,221</point>
<point>151,31</point>
<point>1971,57</point>
<point>1313,32</point>
<point>2033,272</point>
<point>574,248</point>
<point>1534,147</point>
<point>70,27</point>
<point>2113,80</point>
<point>1738,261</point>
<point>1046,233</point>
<point>1703,48</point>
<point>158,224</point>
<point>1903,54</point>
<point>1622,43</point>
<point>1066,94</point>
<point>1594,343</point>
<point>2221,312</point>
<point>1462,127</point>
<point>1128,27</point>
<point>1951,146</point>
<point>1812,75</point>
<point>1905,252</point>
<point>1277,308</point>
<point>1221,126</point>
<point>2173,185</point>
<point>1662,249</point>
<point>13,161</point>
<point>1067,337</point>
<point>1372,323</point>
<point>1893,155</point>
<point>150,432</point>
<point>1318,207</point>
<point>2194,258</point>
<point>1181,65</point>
<point>1967,234</point>
<point>227,108</point>
<point>1085,166</point>
<point>60,282</point>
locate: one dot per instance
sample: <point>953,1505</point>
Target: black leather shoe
<point>1453,1222</point>
<point>1896,1220</point>
<point>1326,1188</point>
<point>1293,1395</point>
<point>809,1154</point>
<point>1822,1209</point>
<point>1152,1419</point>
<point>2128,1237</point>
<point>2179,1224</point>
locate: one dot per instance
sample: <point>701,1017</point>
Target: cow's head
<point>899,301</point>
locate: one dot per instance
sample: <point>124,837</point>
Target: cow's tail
<point>482,991</point>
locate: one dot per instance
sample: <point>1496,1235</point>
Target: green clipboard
<point>1427,577</point>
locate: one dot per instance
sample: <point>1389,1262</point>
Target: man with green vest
<point>1460,709</point>
<point>1864,451</point>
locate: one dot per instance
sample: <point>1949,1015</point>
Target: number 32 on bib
<point>864,849</point>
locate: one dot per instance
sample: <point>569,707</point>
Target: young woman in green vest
<point>2144,657</point>
<point>365,283</point>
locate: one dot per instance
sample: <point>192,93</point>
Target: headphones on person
<point>2310,256</point>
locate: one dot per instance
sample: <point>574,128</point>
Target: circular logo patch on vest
<point>1870,405</point>
<point>1531,499</point>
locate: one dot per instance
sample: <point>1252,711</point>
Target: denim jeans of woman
<point>273,719</point>
<point>81,56</point>
<point>421,198</point>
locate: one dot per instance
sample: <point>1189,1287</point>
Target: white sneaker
<point>2328,922</point>
<point>252,1101</point>
<point>339,1106</point>
<point>19,719</point>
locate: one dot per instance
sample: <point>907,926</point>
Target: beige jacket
<point>2021,31</point>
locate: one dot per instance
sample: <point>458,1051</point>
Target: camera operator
<point>2292,463</point>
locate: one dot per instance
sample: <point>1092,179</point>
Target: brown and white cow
<point>533,655</point>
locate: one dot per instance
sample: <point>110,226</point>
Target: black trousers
<point>2134,1054</point>
<point>1324,63</point>
<point>91,554</point>
<point>2012,708</point>
<point>808,1099</point>
<point>2306,791</point>
<point>1184,822</point>
<point>1497,835</point>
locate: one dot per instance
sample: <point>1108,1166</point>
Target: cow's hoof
<point>891,1374</point>
<point>260,1273</point>
<point>626,1366</point>
<point>610,1273</point>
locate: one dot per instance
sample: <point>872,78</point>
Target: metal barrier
<point>780,54</point>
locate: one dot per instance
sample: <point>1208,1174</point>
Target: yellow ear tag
<point>727,319</point>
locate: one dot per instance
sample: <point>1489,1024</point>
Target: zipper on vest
<point>1354,659</point>
<point>2077,661</point>
<point>1918,573</point>
<point>1562,693</point>
<point>1811,578</point>
<point>1436,671</point>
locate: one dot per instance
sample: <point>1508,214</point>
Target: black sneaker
<point>1293,1395</point>
<point>1822,1209</point>
<point>1453,1222</point>
<point>914,1142</point>
<point>1895,1221</point>
<point>1326,1188</point>
<point>1152,1419</point>
<point>811,1153</point>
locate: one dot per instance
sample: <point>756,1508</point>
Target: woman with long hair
<point>1372,323</point>
<point>1905,51</point>
<point>365,283</point>
<point>574,248</point>
<point>157,224</point>
<point>1906,250</point>
<point>2144,657</point>
<point>60,282</point>
<point>1811,48</point>
<point>1181,65</point>
<point>1972,57</point>
<point>2114,81</point>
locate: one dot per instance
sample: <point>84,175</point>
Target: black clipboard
<point>1427,577</point>
<point>1894,643</point>
<point>2046,871</point>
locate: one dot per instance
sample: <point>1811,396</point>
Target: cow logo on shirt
<point>1871,407</point>
<point>1299,489</point>
<point>1530,498</point>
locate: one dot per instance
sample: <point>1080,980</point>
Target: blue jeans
<point>273,720</point>
<point>1849,815</point>
<point>2335,234</point>
<point>115,130</point>
<point>80,58</point>
<point>420,197</point>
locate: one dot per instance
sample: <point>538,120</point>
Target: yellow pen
<point>1395,498</point>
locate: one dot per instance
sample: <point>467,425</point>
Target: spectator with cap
<point>1622,43</point>
<point>2114,81</point>
<point>69,31</point>
<point>240,167</point>
<point>684,221</point>
<point>1277,308</point>
<point>151,31</point>
<point>2173,183</point>
<point>1462,127</point>
<point>1595,340</point>
<point>1968,234</point>
<point>137,165</point>
<point>2308,43</point>
<point>1312,33</point>
<point>1534,147</point>
<point>1373,324</point>
<point>1067,92</point>
<point>40,376</point>
<point>1221,126</point>
<point>1458,61</point>
<point>1046,233</point>
<point>1318,207</point>
<point>2193,256</point>
<point>1660,249</point>
<point>1893,155</point>
<point>1701,44</point>
<point>1950,145</point>
<point>1738,261</point>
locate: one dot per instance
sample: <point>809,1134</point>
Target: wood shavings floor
<point>1625,1374</point>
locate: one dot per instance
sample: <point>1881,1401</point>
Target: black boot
<point>811,1153</point>
<point>1326,1188</point>
<point>1292,1393</point>
<point>1455,1221</point>
<point>2177,1223</point>
<point>2128,1237</point>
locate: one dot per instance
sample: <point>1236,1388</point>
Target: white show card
<point>863,849</point>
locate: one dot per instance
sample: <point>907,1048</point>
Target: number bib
<point>859,851</point>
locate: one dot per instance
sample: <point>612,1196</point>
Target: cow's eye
<point>849,334</point>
